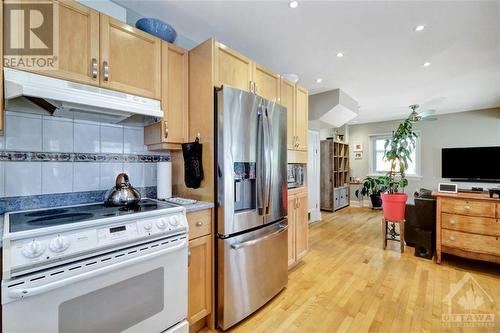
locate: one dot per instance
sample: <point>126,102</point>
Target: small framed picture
<point>358,147</point>
<point>358,155</point>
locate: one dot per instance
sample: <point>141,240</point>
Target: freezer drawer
<point>252,270</point>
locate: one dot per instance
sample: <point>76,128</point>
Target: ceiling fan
<point>418,116</point>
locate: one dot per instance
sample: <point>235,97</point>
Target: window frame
<point>372,155</point>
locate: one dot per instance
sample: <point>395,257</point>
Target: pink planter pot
<point>394,206</point>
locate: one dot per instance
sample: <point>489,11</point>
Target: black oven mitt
<point>193,166</point>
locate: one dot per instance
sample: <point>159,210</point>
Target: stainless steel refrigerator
<point>251,188</point>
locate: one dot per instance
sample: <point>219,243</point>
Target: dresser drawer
<point>498,210</point>
<point>466,207</point>
<point>477,225</point>
<point>200,223</point>
<point>470,242</point>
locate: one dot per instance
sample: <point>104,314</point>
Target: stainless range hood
<point>62,98</point>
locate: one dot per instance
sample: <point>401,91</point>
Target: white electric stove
<point>92,268</point>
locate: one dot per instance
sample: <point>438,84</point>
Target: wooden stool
<point>393,235</point>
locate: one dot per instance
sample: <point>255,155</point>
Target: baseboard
<point>314,216</point>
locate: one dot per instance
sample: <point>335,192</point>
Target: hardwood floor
<point>347,283</point>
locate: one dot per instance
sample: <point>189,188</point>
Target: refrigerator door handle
<point>237,246</point>
<point>268,160</point>
<point>261,164</point>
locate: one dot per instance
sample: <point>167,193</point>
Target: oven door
<point>139,289</point>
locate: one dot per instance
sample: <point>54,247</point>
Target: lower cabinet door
<point>200,278</point>
<point>301,226</point>
<point>291,231</point>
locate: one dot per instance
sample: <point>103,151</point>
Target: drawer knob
<point>199,224</point>
<point>452,238</point>
<point>453,222</point>
<point>467,207</point>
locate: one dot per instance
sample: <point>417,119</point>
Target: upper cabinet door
<point>287,99</point>
<point>130,59</point>
<point>267,83</point>
<point>232,68</point>
<point>302,117</point>
<point>77,50</point>
<point>174,93</point>
<point>78,43</point>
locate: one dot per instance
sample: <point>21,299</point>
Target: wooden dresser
<point>468,225</point>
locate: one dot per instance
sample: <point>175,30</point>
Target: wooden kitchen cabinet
<point>301,226</point>
<point>287,99</point>
<point>301,118</point>
<point>172,130</point>
<point>291,230</point>
<point>237,71</point>
<point>200,293</point>
<point>232,68</point>
<point>298,226</point>
<point>78,58</point>
<point>267,83</point>
<point>78,46</point>
<point>130,59</point>
<point>200,278</point>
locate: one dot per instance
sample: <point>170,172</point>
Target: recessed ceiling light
<point>340,55</point>
<point>319,80</point>
<point>293,4</point>
<point>427,64</point>
<point>419,27</point>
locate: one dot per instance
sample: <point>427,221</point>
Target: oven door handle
<point>19,293</point>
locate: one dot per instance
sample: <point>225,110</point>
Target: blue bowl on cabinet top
<point>157,28</point>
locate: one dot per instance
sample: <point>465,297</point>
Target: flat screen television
<point>478,164</point>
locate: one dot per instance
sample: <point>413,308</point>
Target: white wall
<point>464,129</point>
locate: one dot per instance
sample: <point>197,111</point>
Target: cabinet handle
<point>467,207</point>
<point>105,67</point>
<point>255,88</point>
<point>250,86</point>
<point>453,222</point>
<point>94,68</point>
<point>452,238</point>
<point>165,127</point>
<point>189,257</point>
<point>199,224</point>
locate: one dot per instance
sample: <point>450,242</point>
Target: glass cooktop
<point>56,216</point>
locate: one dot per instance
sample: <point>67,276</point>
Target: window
<point>379,165</point>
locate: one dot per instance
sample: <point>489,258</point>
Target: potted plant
<point>398,151</point>
<point>372,187</point>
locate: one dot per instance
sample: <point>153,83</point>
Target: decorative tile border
<point>79,157</point>
<point>10,204</point>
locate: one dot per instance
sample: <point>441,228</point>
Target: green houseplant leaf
<point>397,150</point>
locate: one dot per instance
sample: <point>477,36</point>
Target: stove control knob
<point>148,226</point>
<point>59,244</point>
<point>33,249</point>
<point>161,224</point>
<point>174,221</point>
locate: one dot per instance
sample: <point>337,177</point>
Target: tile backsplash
<point>34,133</point>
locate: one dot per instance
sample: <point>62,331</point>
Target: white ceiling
<point>383,64</point>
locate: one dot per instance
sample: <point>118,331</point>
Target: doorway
<point>313,169</point>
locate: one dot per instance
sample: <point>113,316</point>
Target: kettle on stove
<point>122,194</point>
